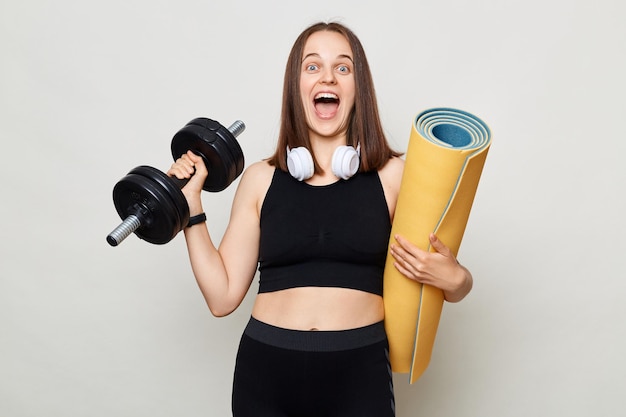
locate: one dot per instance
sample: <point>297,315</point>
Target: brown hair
<point>364,128</point>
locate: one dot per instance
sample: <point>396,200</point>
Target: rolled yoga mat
<point>444,160</point>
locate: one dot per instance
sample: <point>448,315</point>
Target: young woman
<point>315,220</point>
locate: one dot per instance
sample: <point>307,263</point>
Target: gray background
<point>89,90</point>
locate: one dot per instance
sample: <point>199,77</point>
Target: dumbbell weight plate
<point>218,147</point>
<point>164,217</point>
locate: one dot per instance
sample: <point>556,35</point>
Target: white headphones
<point>345,162</point>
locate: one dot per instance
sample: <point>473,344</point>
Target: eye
<point>311,67</point>
<point>344,69</point>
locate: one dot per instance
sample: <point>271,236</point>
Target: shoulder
<point>391,173</point>
<point>255,181</point>
<point>259,169</point>
<point>257,176</point>
<point>391,177</point>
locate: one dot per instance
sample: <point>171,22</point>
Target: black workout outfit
<point>323,236</point>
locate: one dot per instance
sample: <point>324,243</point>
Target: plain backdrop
<point>91,89</point>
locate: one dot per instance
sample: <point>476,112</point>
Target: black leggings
<point>285,373</point>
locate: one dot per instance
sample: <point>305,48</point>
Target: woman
<point>318,232</point>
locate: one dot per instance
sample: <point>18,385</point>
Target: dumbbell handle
<point>235,129</point>
<point>133,222</point>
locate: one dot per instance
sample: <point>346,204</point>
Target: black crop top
<point>335,235</point>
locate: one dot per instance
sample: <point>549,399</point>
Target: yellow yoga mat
<point>444,160</point>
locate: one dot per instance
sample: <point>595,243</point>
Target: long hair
<point>364,128</point>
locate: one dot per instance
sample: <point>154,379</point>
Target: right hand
<point>190,165</point>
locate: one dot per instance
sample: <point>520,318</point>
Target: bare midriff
<point>318,308</point>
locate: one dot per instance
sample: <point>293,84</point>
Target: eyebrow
<point>318,56</point>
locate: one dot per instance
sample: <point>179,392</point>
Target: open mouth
<point>326,104</point>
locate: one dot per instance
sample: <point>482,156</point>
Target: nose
<point>328,76</point>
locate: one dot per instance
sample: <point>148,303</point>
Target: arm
<point>223,274</point>
<point>439,269</point>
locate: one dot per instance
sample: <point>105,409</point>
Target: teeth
<point>326,96</point>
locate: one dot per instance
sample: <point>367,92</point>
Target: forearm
<point>209,270</point>
<point>462,288</point>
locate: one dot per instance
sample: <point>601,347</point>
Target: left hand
<point>439,269</point>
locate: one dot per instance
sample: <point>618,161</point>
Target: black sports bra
<point>324,236</point>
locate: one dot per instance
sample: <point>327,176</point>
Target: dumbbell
<point>152,204</point>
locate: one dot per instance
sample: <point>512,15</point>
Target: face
<point>327,86</point>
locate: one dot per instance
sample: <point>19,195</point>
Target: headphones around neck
<point>345,162</point>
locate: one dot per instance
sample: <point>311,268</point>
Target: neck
<point>324,147</point>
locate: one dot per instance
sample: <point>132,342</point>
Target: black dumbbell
<point>152,204</point>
